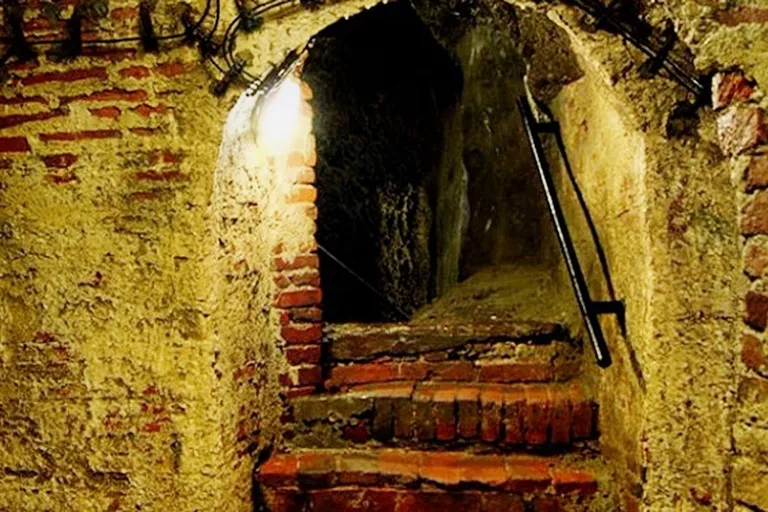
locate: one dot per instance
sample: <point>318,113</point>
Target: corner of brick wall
<point>743,135</point>
<point>296,266</point>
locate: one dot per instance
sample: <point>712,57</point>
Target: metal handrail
<point>590,309</point>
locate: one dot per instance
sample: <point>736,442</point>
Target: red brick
<point>146,110</point>
<point>439,501</point>
<point>358,433</point>
<point>757,172</point>
<point>19,119</point>
<point>309,278</point>
<point>134,72</point>
<point>468,405</point>
<point>281,281</point>
<point>172,69</point>
<point>299,262</point>
<point>545,504</point>
<point>731,87</point>
<point>756,258</point>
<point>413,370</point>
<point>309,375</point>
<point>124,13</point>
<point>502,502</point>
<point>443,468</point>
<point>538,415</point>
<point>42,24</point>
<point>300,391</point>
<point>516,372</point>
<point>362,373</point>
<point>302,334</point>
<point>487,470</point>
<point>752,353</point>
<point>299,298</point>
<point>492,404</point>
<point>60,161</point>
<point>107,95</point>
<point>309,354</point>
<point>295,159</point>
<point>514,417</point>
<point>754,219</point>
<point>583,415</point>
<point>457,371</point>
<point>741,127</point>
<point>160,176</point>
<point>572,481</point>
<point>14,145</point>
<point>81,135</point>
<point>23,100</point>
<point>279,470</point>
<point>316,468</point>
<point>302,194</point>
<point>62,179</point>
<point>338,500</point>
<point>756,310</point>
<point>527,475</point>
<point>747,14</point>
<point>398,466</point>
<point>306,176</point>
<point>72,75</point>
<point>445,413</point>
<point>105,112</point>
<point>301,315</point>
<point>561,419</point>
<point>379,500</point>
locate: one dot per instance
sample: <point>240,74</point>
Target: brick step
<point>366,341</point>
<point>451,414</point>
<point>387,480</point>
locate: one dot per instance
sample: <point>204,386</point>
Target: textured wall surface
<point>139,351</point>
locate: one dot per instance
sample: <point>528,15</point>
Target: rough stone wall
<point>700,447</point>
<point>609,162</point>
<point>139,368</point>
<point>380,105</point>
<point>111,347</point>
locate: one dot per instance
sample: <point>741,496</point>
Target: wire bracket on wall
<point>233,73</point>
<point>149,41</point>
<point>72,46</point>
<point>193,34</point>
<point>19,47</point>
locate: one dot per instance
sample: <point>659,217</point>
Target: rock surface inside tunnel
<point>424,175</point>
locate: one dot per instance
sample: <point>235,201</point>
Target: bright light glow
<point>279,116</point>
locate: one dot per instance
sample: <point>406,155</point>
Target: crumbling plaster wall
<point>98,238</point>
<point>701,439</point>
<point>137,369</point>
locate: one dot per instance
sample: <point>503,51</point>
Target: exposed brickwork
<point>532,416</point>
<point>397,481</point>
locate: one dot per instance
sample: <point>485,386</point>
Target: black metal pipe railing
<point>590,309</point>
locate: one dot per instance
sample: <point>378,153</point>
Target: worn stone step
<point>522,366</point>
<point>366,341</point>
<point>388,480</point>
<point>454,414</point>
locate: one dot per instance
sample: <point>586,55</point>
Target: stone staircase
<point>450,416</point>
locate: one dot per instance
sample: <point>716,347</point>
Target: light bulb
<point>279,116</point>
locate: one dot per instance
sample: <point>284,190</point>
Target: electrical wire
<point>216,20</point>
<point>133,39</point>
